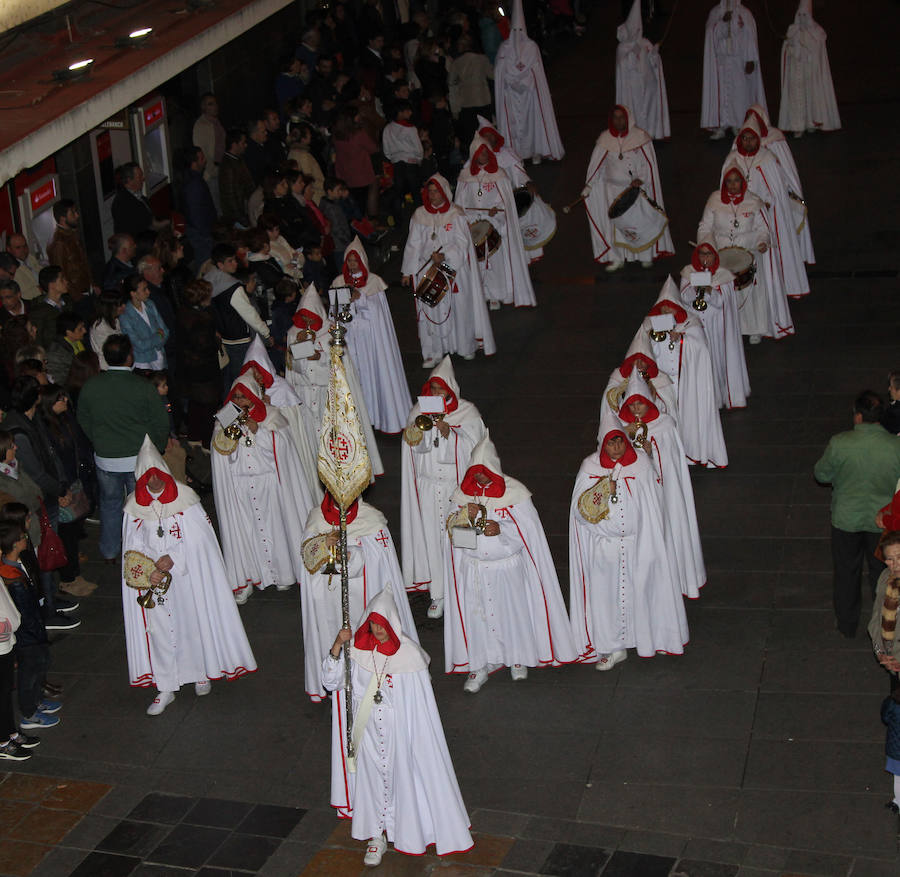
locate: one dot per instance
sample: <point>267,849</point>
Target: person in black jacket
<point>890,420</point>
<point>32,646</point>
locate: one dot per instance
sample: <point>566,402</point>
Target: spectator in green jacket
<point>116,409</point>
<point>862,466</point>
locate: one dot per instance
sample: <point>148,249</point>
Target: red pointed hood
<point>610,427</point>
<point>310,310</point>
<point>609,121</point>
<point>258,410</point>
<point>627,365</point>
<point>356,248</point>
<point>332,513</point>
<point>726,196</point>
<point>175,497</point>
<point>758,114</point>
<point>491,167</point>
<point>258,358</point>
<point>695,258</point>
<point>470,486</point>
<point>444,375</point>
<point>638,391</point>
<point>751,125</point>
<point>487,127</point>
<point>444,186</point>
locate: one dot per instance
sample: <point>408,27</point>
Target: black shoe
<point>26,741</point>
<point>64,605</point>
<point>58,621</point>
<point>51,690</point>
<point>892,807</point>
<point>13,752</point>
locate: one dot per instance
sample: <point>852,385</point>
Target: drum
<point>486,238</point>
<point>537,224</point>
<point>638,222</point>
<point>739,262</point>
<point>435,283</point>
<point>524,199</point>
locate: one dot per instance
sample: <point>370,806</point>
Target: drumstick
<point>488,209</point>
<point>568,207</point>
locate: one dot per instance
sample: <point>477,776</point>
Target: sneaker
<point>518,672</point>
<point>494,305</point>
<point>25,740</point>
<point>647,264</point>
<point>375,851</point>
<point>38,722</point>
<point>49,706</point>
<point>51,689</point>
<point>13,752</point>
<point>755,339</point>
<point>65,606</point>
<point>243,595</point>
<point>536,160</point>
<point>475,680</point>
<point>436,609</point>
<point>161,701</point>
<point>469,357</point>
<point>58,621</point>
<point>431,363</point>
<point>90,519</point>
<point>614,266</point>
<point>607,662</point>
<point>202,688</point>
<point>717,134</point>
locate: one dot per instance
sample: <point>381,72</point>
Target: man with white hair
<point>29,267</point>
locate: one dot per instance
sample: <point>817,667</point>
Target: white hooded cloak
<point>429,476</point>
<point>195,633</point>
<point>640,82</point>
<point>524,107</point>
<point>504,606</point>
<point>372,343</point>
<point>402,782</point>
<point>729,45</point>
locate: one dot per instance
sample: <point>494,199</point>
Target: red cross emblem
<point>448,226</point>
<point>382,537</point>
<point>175,530</point>
<point>137,571</point>
<point>340,447</point>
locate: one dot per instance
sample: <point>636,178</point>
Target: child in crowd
<point>175,455</point>
<point>32,646</point>
<point>332,208</point>
<point>403,149</point>
<point>16,745</point>
<point>890,715</point>
<point>286,292</point>
<point>315,270</point>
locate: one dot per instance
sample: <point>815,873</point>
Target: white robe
<point>807,91</point>
<point>607,177</point>
<point>310,378</point>
<point>623,588</point>
<point>429,476</point>
<point>404,783</point>
<point>196,633</point>
<point>525,114</point>
<point>689,366</point>
<point>722,328</point>
<point>459,323</point>
<point>505,605</point>
<point>640,81</point>
<point>728,46</point>
<point>372,343</point>
<point>504,275</point>
<point>262,501</point>
<point>768,179</point>
<point>371,565</point>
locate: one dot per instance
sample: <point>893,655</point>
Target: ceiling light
<point>74,70</point>
<point>135,38</point>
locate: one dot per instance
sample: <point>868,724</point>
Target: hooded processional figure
<point>623,587</point>
<point>807,91</point>
<point>639,356</point>
<point>281,395</point>
<point>310,376</point>
<point>371,563</point>
<point>682,353</point>
<point>640,82</point>
<point>524,107</point>
<point>484,192</point>
<point>732,79</point>
<point>505,606</point>
<point>657,435</point>
<point>438,237</point>
<point>433,464</point>
<point>623,157</point>
<point>261,494</point>
<point>721,323</point>
<point>185,628</point>
<point>768,179</point>
<point>372,342</point>
<point>400,786</point>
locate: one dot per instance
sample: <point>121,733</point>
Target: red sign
<point>104,146</point>
<point>153,114</point>
<point>42,195</point>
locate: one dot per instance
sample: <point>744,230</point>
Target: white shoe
<point>798,135</point>
<point>375,851</point>
<point>518,672</point>
<point>755,339</point>
<point>717,134</point>
<point>469,357</point>
<point>614,266</point>
<point>648,264</point>
<point>493,305</point>
<point>202,688</point>
<point>607,662</point>
<point>430,363</point>
<point>243,595</point>
<point>285,587</point>
<point>436,609</point>
<point>475,680</point>
<point>536,160</point>
<point>163,699</point>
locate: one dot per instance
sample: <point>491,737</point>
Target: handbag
<point>51,554</point>
<point>78,507</point>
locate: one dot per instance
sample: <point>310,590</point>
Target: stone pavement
<point>759,752</point>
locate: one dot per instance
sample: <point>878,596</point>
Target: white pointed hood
<point>400,654</point>
<point>486,460</point>
<point>175,498</point>
<point>356,246</point>
<point>460,411</point>
<point>598,464</point>
<point>632,29</point>
<point>257,355</point>
<point>311,303</point>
